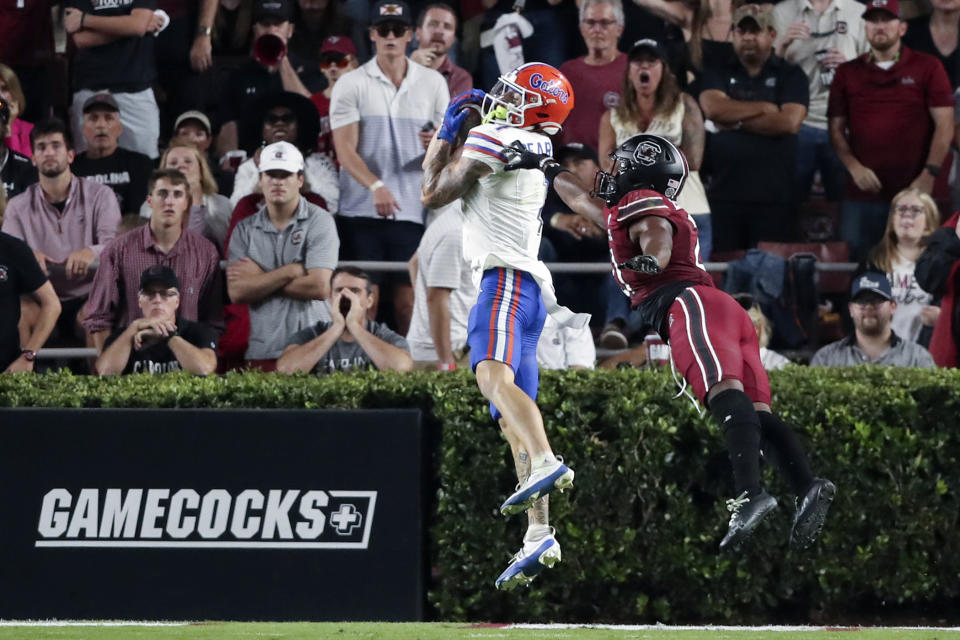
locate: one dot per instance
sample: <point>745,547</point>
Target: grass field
<point>447,631</point>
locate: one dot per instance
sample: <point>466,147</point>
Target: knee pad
<point>733,407</point>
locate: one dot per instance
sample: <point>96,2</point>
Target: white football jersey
<point>501,213</point>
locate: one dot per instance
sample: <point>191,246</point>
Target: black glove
<point>642,264</point>
<point>519,157</point>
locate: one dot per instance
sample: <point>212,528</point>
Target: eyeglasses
<point>280,118</point>
<point>909,210</point>
<point>339,63</point>
<point>603,24</point>
<point>164,294</point>
<point>396,28</point>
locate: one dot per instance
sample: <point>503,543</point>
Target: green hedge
<point>640,529</point>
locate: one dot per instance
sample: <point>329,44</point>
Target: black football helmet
<point>644,161</point>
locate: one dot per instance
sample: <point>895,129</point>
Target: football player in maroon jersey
<point>655,256</point>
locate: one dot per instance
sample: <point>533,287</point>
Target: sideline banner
<point>211,514</point>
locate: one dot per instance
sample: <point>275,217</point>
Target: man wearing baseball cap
<point>266,71</point>
<point>873,342</point>
<point>900,144</point>
<point>757,102</point>
<point>337,57</point>
<point>159,341</point>
<point>281,258</point>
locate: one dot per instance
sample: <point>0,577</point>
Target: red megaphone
<point>269,50</point>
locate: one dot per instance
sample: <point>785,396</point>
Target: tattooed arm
<point>446,179</point>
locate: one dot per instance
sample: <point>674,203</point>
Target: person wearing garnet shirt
<point>891,122</point>
<point>597,76</point>
<point>337,57</point>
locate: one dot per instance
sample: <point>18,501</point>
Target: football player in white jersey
<point>501,238</point>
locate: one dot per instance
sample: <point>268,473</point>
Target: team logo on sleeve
<point>646,153</point>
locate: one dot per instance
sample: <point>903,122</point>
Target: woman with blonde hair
<point>18,131</point>
<point>913,217</point>
<point>210,212</point>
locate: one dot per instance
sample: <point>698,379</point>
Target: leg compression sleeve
<point>783,448</point>
<point>740,424</point>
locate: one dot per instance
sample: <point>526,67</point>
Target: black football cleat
<point>811,512</point>
<point>746,515</point>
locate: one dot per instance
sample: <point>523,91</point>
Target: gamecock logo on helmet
<point>646,154</point>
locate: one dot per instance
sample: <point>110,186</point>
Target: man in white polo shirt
<point>281,258</point>
<point>382,116</point>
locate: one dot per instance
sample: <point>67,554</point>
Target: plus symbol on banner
<point>346,519</point>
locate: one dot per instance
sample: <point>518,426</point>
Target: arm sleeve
<point>345,101</point>
<point>837,102</point>
<point>937,260</point>
<point>202,336</point>
<point>939,93</point>
<point>441,100</point>
<point>712,79</point>
<point>323,243</point>
<point>390,336</point>
<point>238,243</point>
<point>445,263</point>
<point>210,305</point>
<point>107,213</point>
<point>923,359</point>
<point>104,298</point>
<point>307,334</point>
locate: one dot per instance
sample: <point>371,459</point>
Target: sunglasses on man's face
<point>340,63</point>
<point>280,118</point>
<point>396,28</point>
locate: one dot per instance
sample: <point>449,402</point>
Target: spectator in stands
<point>873,342</point>
<point>565,347</point>
<point>770,359</point>
<point>159,340</point>
<point>887,150</point>
<point>194,127</point>
<point>253,79</point>
<point>287,117</point>
<point>105,161</point>
<point>349,340</point>
<point>114,42</point>
<point>939,35</point>
<point>67,221</point>
<point>281,258</point>
<point>380,215</point>
<point>318,20</point>
<point>758,103</point>
<point>819,35</point>
<point>23,277</point>
<point>597,77</point>
<point>184,56</point>
<point>17,172</point>
<point>436,33</point>
<point>913,218</point>
<point>337,57</point>
<point>18,130</point>
<point>653,103</point>
<point>209,211</point>
<point>114,300</point>
<point>938,272</point>
<point>444,293</point>
<point>707,29</point>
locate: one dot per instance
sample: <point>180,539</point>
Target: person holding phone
<point>350,340</point>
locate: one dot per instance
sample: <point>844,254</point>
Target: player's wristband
<point>376,185</point>
<point>444,366</point>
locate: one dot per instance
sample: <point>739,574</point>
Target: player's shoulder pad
<point>644,202</point>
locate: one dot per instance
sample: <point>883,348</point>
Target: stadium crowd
<point>183,180</point>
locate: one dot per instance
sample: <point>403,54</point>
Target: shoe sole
<point>737,543</point>
<point>613,342</point>
<point>547,560</point>
<point>805,534</point>
<point>563,482</point>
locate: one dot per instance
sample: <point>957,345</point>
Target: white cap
<point>282,156</point>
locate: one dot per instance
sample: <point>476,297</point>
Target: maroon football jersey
<point>685,264</point>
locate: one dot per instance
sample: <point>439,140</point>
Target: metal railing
<point>400,267</point>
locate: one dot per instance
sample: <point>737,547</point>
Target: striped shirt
<point>113,301</point>
<point>89,220</point>
<point>390,120</point>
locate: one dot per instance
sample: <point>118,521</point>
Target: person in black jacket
<point>937,273</point>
